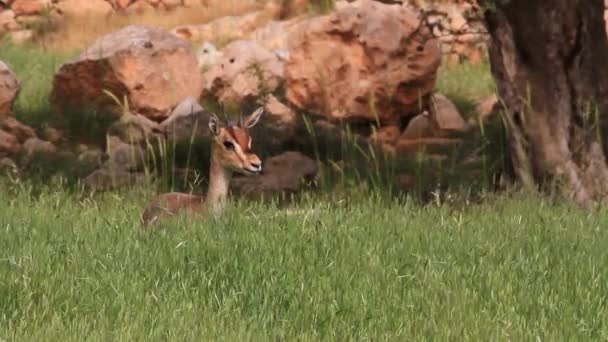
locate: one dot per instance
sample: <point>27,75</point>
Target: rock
<point>418,127</point>
<point>92,157</point>
<point>9,144</point>
<point>285,173</point>
<point>445,114</point>
<point>27,7</point>
<point>278,126</point>
<point>188,121</point>
<point>151,66</point>
<point>123,156</point>
<point>362,53</point>
<point>84,8</point>
<point>484,108</point>
<point>386,135</point>
<point>21,36</point>
<point>457,21</point>
<point>52,134</point>
<point>245,71</point>
<point>207,56</point>
<point>20,131</point>
<point>428,145</point>
<point>274,35</point>
<point>122,4</point>
<point>171,4</point>
<point>8,21</point>
<point>139,7</point>
<point>107,179</point>
<point>34,147</point>
<point>292,7</point>
<point>222,29</point>
<point>9,88</point>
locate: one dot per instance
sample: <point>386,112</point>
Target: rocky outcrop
<point>283,174</point>
<point>366,61</point>
<point>460,28</point>
<point>246,70</point>
<point>9,88</point>
<point>151,67</point>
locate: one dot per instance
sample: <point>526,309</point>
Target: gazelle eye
<point>229,145</point>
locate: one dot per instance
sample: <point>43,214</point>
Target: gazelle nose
<point>256,166</point>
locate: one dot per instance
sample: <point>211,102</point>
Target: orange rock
<point>84,7</point>
<point>21,36</point>
<point>364,52</point>
<point>154,68</point>
<point>244,68</point>
<point>27,7</point>
<point>122,4</point>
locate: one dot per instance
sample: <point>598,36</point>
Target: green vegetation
<point>35,69</point>
<point>351,267</point>
<point>356,263</point>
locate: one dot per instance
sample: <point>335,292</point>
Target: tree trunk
<point>550,63</point>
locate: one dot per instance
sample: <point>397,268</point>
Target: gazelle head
<point>231,146</point>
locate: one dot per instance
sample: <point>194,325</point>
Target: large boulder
<point>153,68</point>
<point>9,88</point>
<point>283,174</point>
<point>245,70</point>
<point>365,61</point>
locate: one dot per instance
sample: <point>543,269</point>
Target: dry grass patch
<point>77,33</point>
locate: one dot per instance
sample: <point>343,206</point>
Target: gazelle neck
<point>219,185</point>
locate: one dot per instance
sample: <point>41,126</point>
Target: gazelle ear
<point>214,124</point>
<point>254,118</point>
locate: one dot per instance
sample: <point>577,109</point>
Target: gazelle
<point>230,152</point>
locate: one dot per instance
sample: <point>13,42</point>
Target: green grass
<point>353,267</point>
<point>465,83</point>
<point>34,68</point>
<point>346,265</point>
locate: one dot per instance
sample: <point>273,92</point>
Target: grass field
<point>348,265</point>
<point>515,268</point>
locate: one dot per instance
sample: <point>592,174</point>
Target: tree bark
<point>550,63</point>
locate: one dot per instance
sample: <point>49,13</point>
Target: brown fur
<point>240,136</point>
<point>170,204</point>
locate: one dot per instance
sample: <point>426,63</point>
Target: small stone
<point>21,37</point>
<point>52,134</point>
<point>9,144</point>
<point>20,131</point>
<point>446,115</point>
